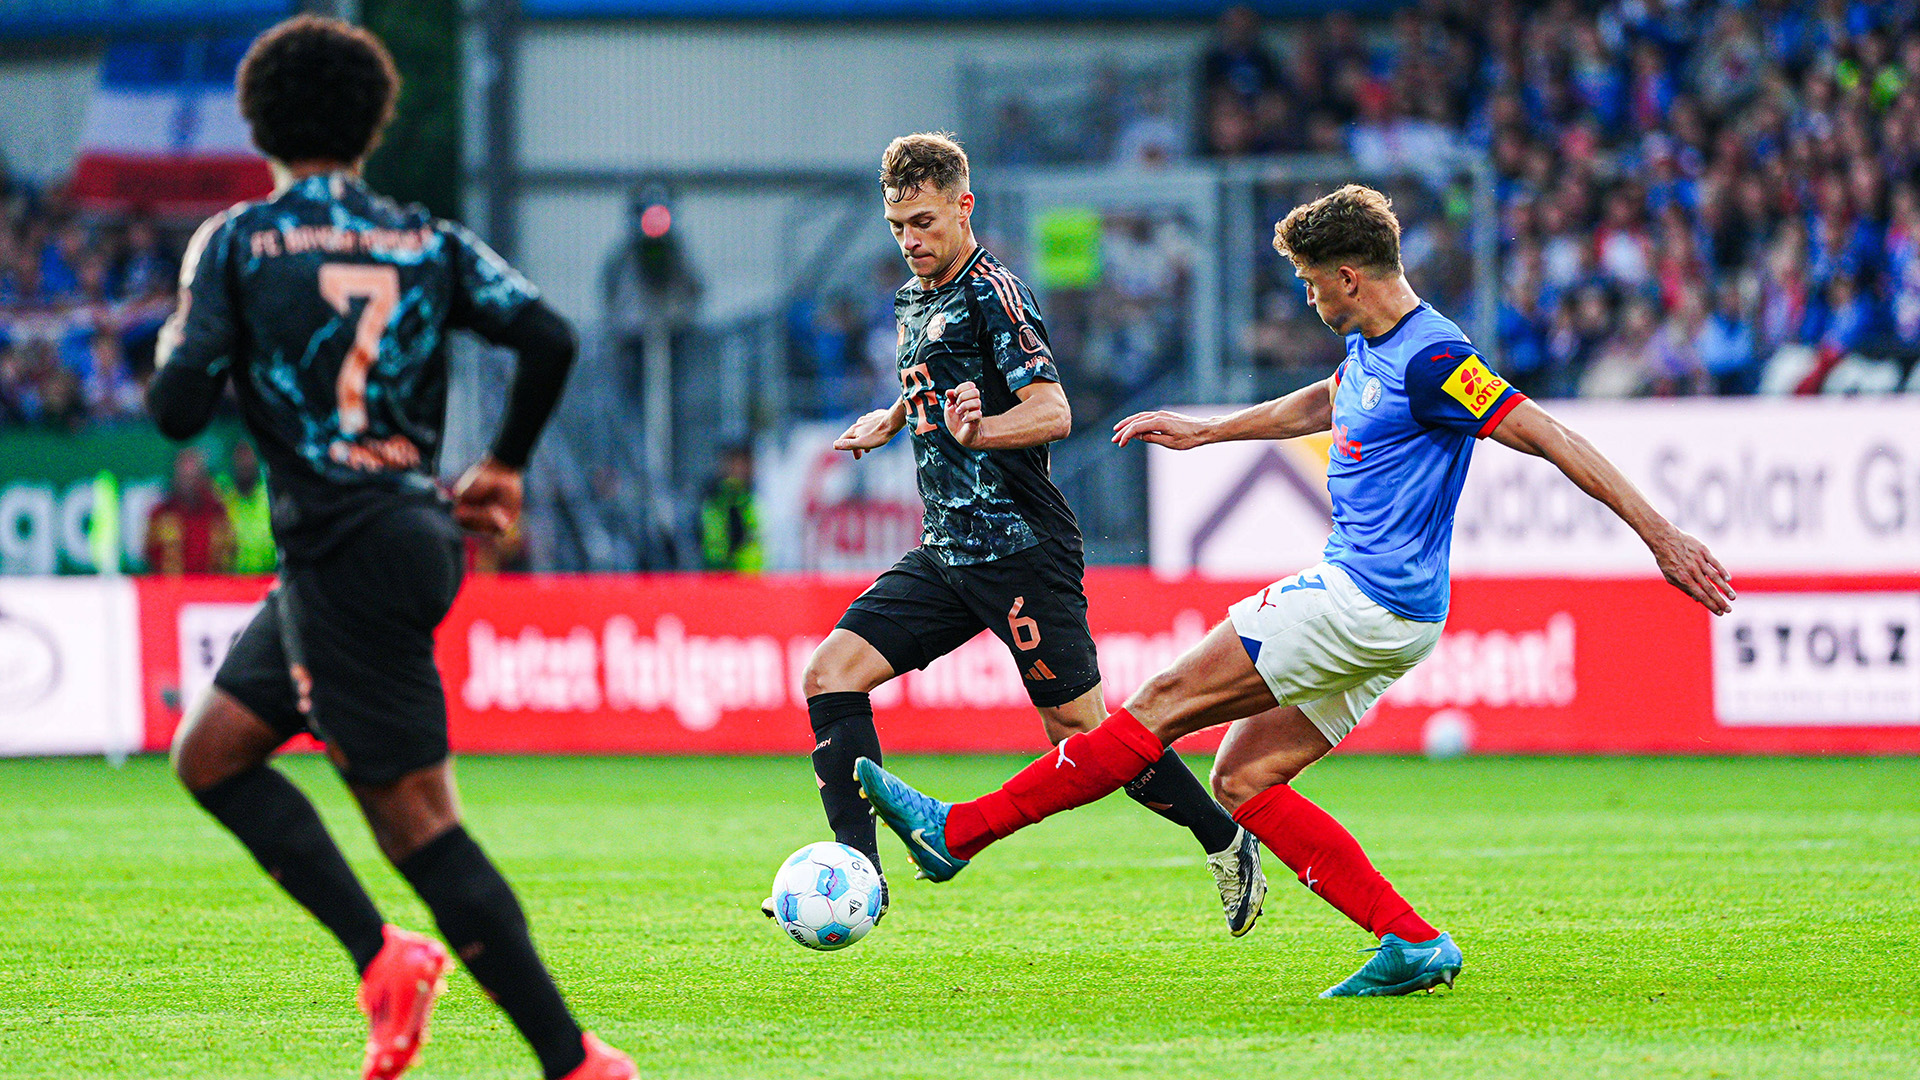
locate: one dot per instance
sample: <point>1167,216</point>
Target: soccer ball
<point>826,896</point>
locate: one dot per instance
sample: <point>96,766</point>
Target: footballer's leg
<point>1169,789</point>
<point>416,822</point>
<point>220,755</point>
<point>365,622</point>
<point>1041,593</point>
<point>1258,759</point>
<point>905,620</point>
<point>838,683</point>
<point>1327,651</point>
<point>1213,683</point>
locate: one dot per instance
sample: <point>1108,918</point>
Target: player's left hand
<point>1692,569</point>
<point>964,413</point>
<point>487,498</point>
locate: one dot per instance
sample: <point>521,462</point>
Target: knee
<point>398,840</point>
<point>1232,787</point>
<point>1161,706</point>
<point>193,757</point>
<point>1234,783</point>
<point>1059,728</point>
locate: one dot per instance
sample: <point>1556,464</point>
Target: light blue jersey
<point>1407,407</point>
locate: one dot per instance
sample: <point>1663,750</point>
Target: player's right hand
<point>1692,569</point>
<point>487,498</point>
<point>1167,429</point>
<point>870,432</point>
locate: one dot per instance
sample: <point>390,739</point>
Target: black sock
<point>286,837</point>
<point>478,915</point>
<point>1170,789</point>
<point>843,731</point>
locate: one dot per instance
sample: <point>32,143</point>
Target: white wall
<point>43,107</point>
<point>774,95</point>
<point>757,96</point>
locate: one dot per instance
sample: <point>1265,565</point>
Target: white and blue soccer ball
<point>826,896</point>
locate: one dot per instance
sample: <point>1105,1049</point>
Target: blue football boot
<point>919,820</point>
<point>1401,967</point>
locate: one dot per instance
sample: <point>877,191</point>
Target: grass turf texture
<point>1740,918</point>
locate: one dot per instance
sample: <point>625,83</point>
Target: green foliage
<point>1621,918</point>
<point>419,160</point>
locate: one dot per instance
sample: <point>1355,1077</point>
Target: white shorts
<point>1322,644</point>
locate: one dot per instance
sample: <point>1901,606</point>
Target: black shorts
<point>1032,600</point>
<point>344,647</point>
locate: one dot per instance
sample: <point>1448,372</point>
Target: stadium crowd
<point>81,303</point>
<point>1686,190</point>
<point>1696,196</point>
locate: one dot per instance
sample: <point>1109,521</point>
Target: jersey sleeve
<point>487,293</point>
<point>1451,387</point>
<point>1011,331</point>
<point>199,335</point>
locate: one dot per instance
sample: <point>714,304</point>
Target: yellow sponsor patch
<point>1472,385</point>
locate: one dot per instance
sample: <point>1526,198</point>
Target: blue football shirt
<point>1407,407</point>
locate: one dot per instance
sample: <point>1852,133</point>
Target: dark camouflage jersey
<point>980,327</point>
<point>329,306</point>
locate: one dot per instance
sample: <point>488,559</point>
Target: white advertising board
<point>820,510</point>
<point>1818,659</point>
<point>1773,486</point>
<point>69,667</point>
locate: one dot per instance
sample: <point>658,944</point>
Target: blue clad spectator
<point>1725,344</point>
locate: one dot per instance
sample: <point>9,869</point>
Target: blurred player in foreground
<point>327,306</point>
<point>1295,666</point>
<point>1002,551</point>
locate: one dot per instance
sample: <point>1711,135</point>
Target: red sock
<point>1086,767</point>
<point>1328,860</point>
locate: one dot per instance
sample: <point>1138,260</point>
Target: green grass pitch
<point>1620,918</point>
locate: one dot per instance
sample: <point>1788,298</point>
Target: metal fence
<point>1159,287</point>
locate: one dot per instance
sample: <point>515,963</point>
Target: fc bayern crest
<point>1370,393</point>
<point>936,326</point>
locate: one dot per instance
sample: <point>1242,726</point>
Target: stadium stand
<point>81,302</point>
<point>1705,198</point>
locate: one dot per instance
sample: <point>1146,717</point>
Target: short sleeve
<point>1011,330</point>
<point>1450,386</point>
<point>200,332</point>
<point>487,293</point>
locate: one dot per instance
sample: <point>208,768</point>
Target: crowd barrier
<point>711,665</point>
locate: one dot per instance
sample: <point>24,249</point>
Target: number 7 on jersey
<point>379,286</point>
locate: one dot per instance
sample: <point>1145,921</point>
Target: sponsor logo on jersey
<point>1370,394</point>
<point>1347,446</point>
<point>1030,340</point>
<point>936,326</point>
<point>1473,386</point>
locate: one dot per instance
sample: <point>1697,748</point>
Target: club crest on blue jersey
<point>1370,393</point>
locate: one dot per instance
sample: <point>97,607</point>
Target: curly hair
<point>926,158</point>
<point>1353,226</point>
<point>317,89</point>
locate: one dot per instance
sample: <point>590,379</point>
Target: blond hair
<point>924,159</point>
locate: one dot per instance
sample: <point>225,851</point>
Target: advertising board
<point>684,664</point>
<point>1773,486</point>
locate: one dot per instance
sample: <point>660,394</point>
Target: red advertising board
<point>673,664</point>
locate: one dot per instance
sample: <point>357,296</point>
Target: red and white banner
<point>164,130</point>
<point>691,665</point>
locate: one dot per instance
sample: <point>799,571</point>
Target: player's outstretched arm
<point>1685,561</point>
<point>874,430</point>
<point>1042,416</point>
<point>1303,412</point>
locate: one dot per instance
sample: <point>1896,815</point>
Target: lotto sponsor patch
<point>1472,385</point>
